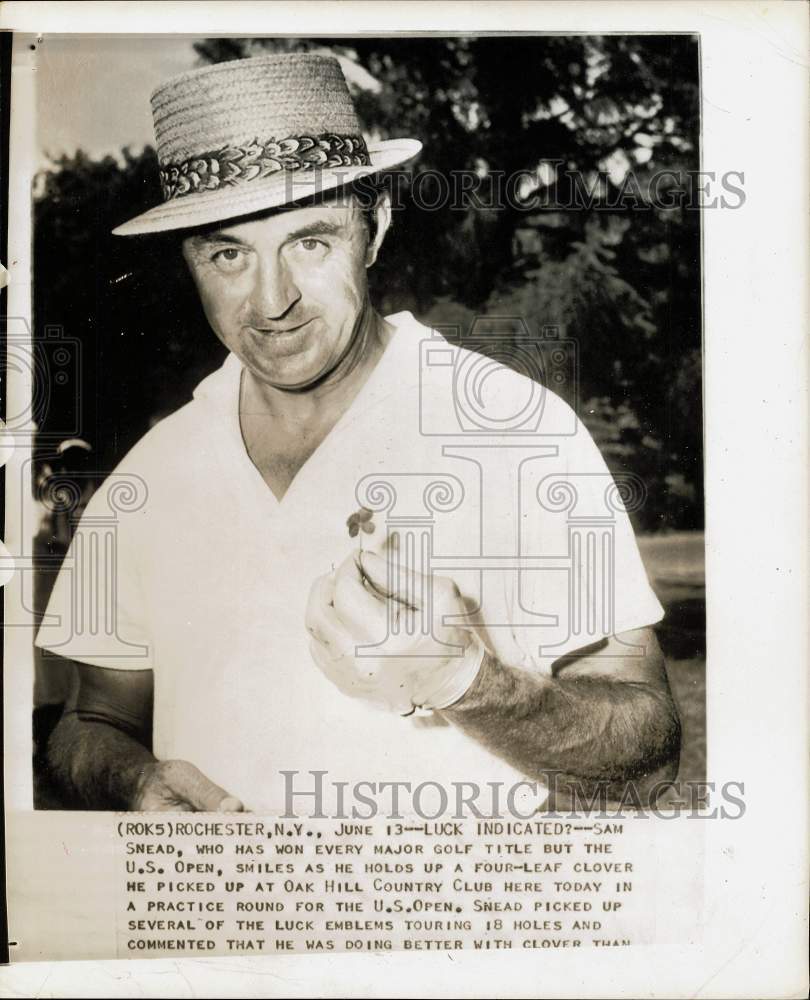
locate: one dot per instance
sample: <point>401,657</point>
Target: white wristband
<point>453,687</point>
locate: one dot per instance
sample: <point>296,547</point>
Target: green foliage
<point>623,283</point>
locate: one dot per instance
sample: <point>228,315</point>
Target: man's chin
<point>291,377</point>
<point>292,365</point>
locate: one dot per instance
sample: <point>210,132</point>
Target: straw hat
<point>243,136</point>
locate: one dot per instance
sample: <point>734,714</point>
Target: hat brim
<point>201,209</point>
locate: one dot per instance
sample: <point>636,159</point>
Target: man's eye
<point>311,245</point>
<point>229,259</point>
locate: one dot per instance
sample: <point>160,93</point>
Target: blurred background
<point>619,276</point>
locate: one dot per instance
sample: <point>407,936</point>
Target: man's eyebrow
<point>318,228</point>
<point>217,237</point>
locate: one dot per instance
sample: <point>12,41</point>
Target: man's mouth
<point>275,331</point>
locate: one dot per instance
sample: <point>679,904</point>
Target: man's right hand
<point>99,752</point>
<point>178,786</point>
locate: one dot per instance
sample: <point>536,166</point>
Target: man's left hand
<point>425,663</point>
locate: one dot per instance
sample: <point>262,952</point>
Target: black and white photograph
<point>317,368</point>
<point>356,451</point>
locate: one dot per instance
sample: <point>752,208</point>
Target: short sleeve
<point>96,613</point>
<point>586,580</point>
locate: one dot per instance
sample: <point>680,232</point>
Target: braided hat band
<point>238,164</point>
<point>241,136</point>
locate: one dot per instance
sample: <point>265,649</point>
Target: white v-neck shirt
<point>211,572</point>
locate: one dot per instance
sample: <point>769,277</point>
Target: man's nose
<point>274,291</point>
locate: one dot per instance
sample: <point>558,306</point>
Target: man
<point>252,636</point>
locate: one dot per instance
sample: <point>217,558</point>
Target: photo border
<point>755,275</point>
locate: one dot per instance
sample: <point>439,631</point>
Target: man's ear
<point>382,216</point>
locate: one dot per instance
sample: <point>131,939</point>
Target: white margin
<point>755,105</point>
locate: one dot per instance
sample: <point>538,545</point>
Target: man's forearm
<point>98,765</point>
<point>593,733</point>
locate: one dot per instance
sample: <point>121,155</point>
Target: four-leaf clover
<point>360,521</point>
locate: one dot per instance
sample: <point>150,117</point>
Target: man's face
<point>284,292</point>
